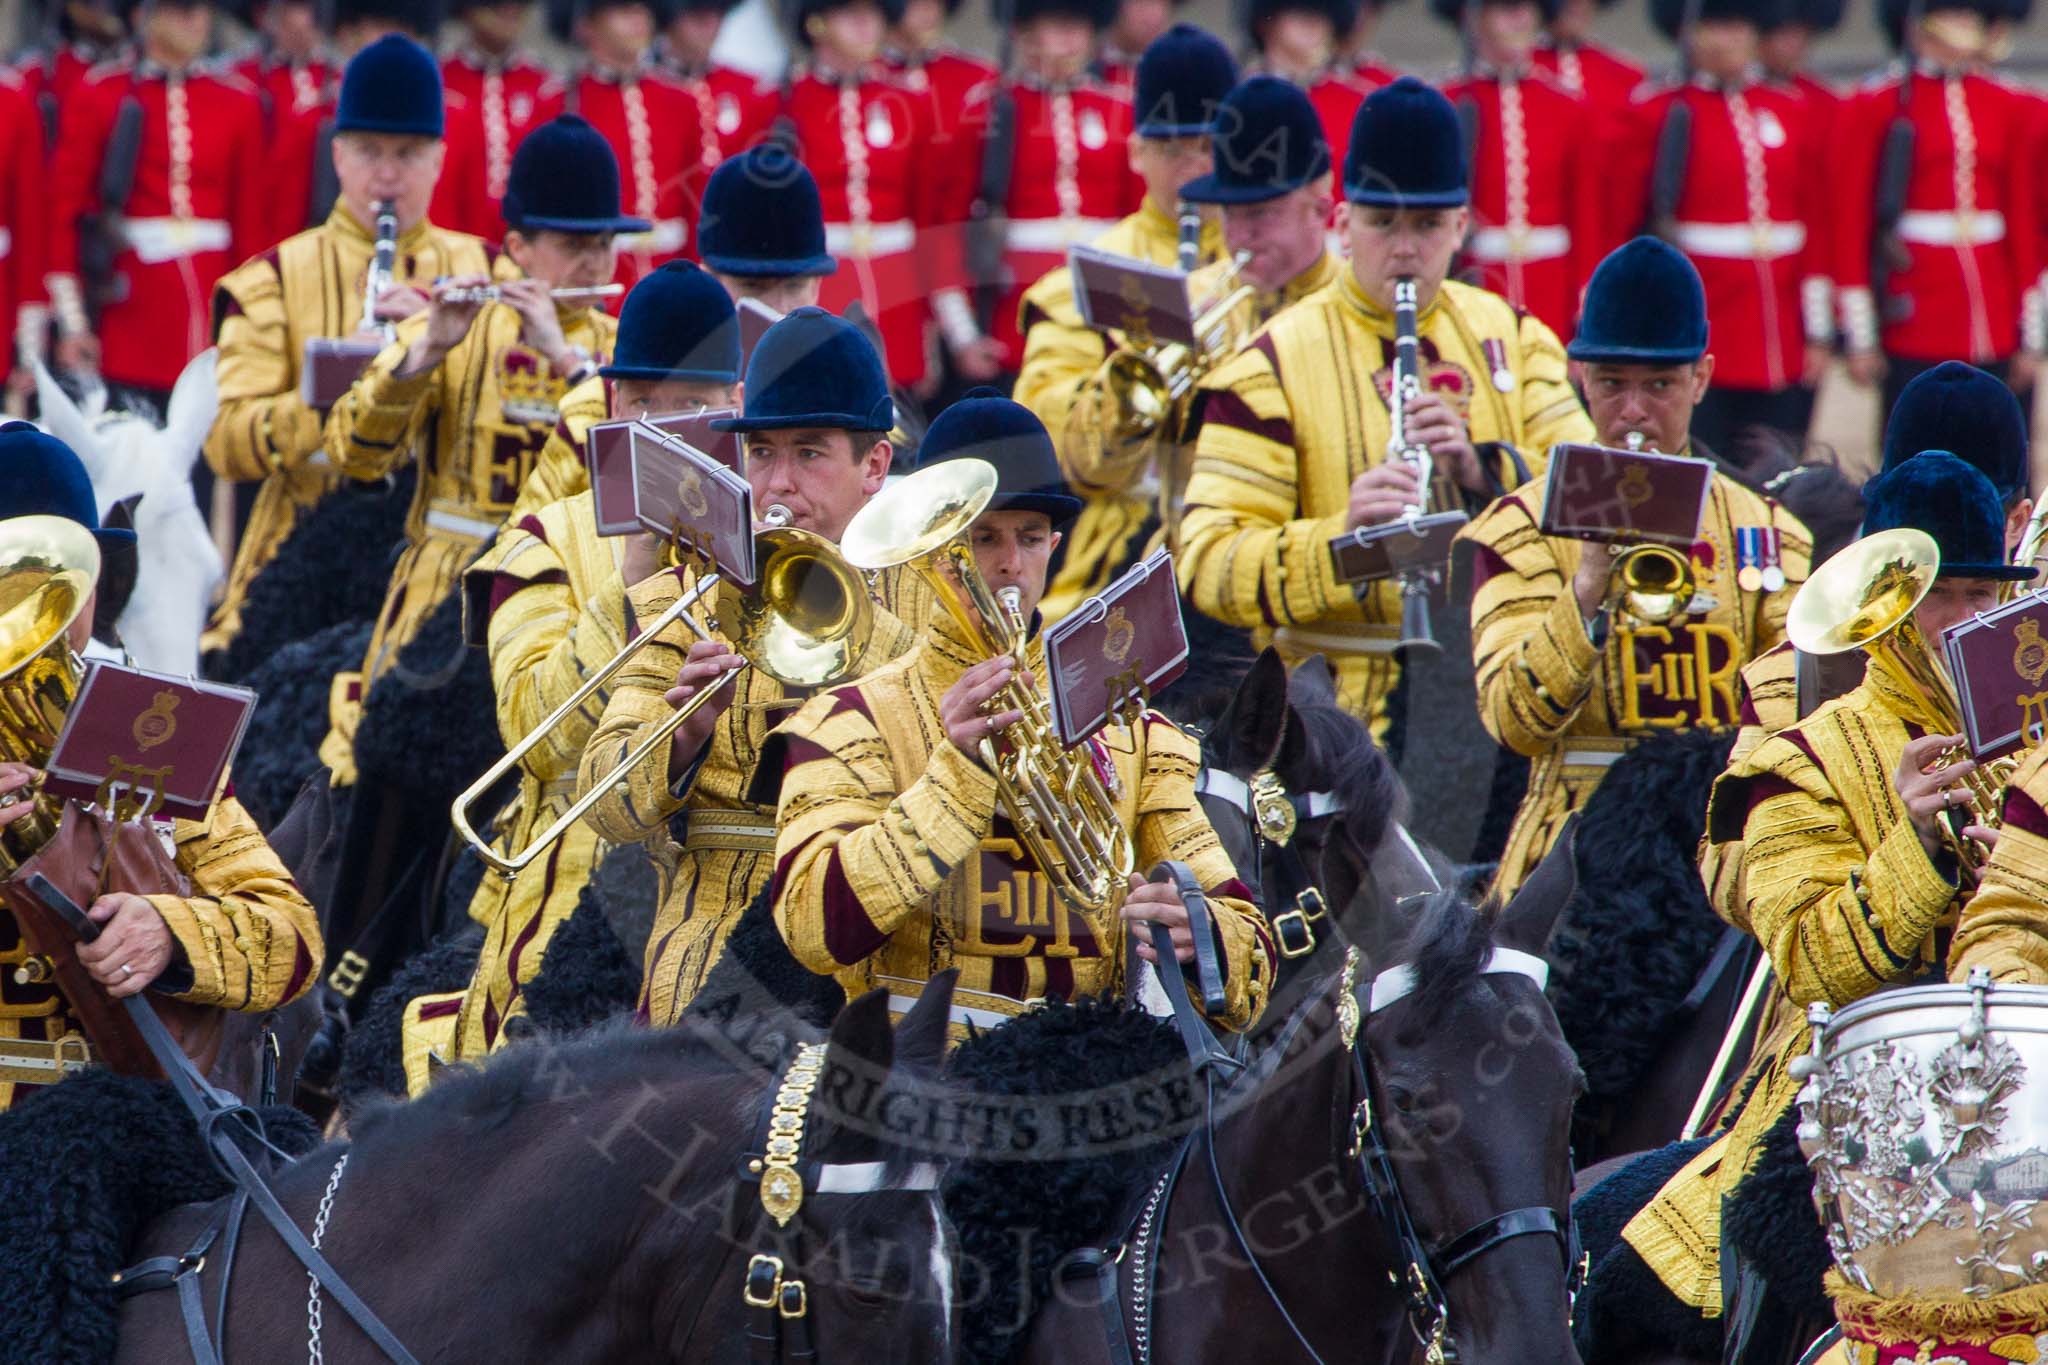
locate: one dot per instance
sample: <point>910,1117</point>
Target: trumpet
<point>805,625</point>
<point>491,293</point>
<point>1053,796</point>
<point>1863,598</point>
<point>1653,584</point>
<point>1151,385</point>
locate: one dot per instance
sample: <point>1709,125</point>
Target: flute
<point>491,293</point>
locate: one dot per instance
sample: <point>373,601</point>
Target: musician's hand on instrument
<point>402,301</point>
<point>17,799</point>
<point>1926,794</point>
<point>1866,367</point>
<point>1159,903</point>
<point>1591,580</point>
<point>960,710</point>
<point>1431,420</point>
<point>540,321</point>
<point>448,320</point>
<point>1381,494</point>
<point>1983,834</point>
<point>706,663</point>
<point>134,945</point>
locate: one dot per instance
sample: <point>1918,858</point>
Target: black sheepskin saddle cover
<point>1771,1223</point>
<point>373,1057</point>
<point>1625,1313</point>
<point>281,748</point>
<point>757,972</point>
<point>1046,1208</point>
<point>1629,947</point>
<point>85,1167</point>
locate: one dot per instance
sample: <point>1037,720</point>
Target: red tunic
<point>1070,181</point>
<point>1599,75</point>
<point>23,224</point>
<point>196,210</point>
<point>286,87</point>
<point>1970,222</point>
<point>1538,227</point>
<point>1753,217</point>
<point>502,102</point>
<point>870,144</point>
<point>650,119</point>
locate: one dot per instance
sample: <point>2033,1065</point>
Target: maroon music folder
<point>1107,657</point>
<point>1998,661</point>
<point>1146,302</point>
<point>608,459</point>
<point>332,365</point>
<point>1601,494</point>
<point>161,744</point>
<point>681,492</point>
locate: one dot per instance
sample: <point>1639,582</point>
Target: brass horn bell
<point>48,569</point>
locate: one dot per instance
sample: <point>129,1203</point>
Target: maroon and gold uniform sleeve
<point>1533,654</point>
<point>263,426</point>
<point>2005,925</point>
<point>639,805</point>
<point>373,426</point>
<point>251,938</point>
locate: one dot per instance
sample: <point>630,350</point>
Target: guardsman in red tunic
<point>195,207</point>
<point>1355,50</point>
<point>650,120</point>
<point>870,140</point>
<point>24,313</point>
<point>1067,175</point>
<point>735,108</point>
<point>289,64</point>
<point>1732,170</point>
<point>1297,41</point>
<point>1537,222</point>
<point>80,37</point>
<point>1137,24</point>
<point>1787,48</point>
<point>1936,237</point>
<point>503,93</point>
<point>1595,73</point>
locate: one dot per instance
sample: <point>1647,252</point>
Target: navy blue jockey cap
<point>565,178</point>
<point>678,323</point>
<point>984,425</point>
<point>1644,305</point>
<point>1407,149</point>
<point>40,476</point>
<point>1183,76</point>
<point>1948,498</point>
<point>1268,141</point>
<point>762,217</point>
<point>814,369</point>
<point>1961,408</point>
<point>391,86</point>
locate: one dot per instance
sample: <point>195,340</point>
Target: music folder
<point>681,492</point>
<point>1145,302</point>
<point>159,744</point>
<point>608,459</point>
<point>1598,493</point>
<point>1396,547</point>
<point>1998,661</point>
<point>331,366</point>
<point>1105,659</point>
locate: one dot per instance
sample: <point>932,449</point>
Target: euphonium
<point>1052,795</point>
<point>48,567</point>
<point>1863,598</point>
<point>1151,385</point>
<point>805,624</point>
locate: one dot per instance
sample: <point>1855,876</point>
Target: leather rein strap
<point>217,1114</point>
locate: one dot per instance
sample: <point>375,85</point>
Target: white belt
<point>1590,758</point>
<point>1053,234</point>
<point>456,524</point>
<point>959,1014</point>
<point>1951,229</point>
<point>157,240</point>
<point>666,236</point>
<point>1525,244</point>
<point>6,242</point>
<point>1385,641</point>
<point>1741,241</point>
<point>874,239</point>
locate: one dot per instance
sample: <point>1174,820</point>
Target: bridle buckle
<point>1293,930</point>
<point>764,1281</point>
<point>795,1302</point>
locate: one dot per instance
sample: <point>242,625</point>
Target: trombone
<point>804,624</point>
<point>1053,795</point>
<point>1863,598</point>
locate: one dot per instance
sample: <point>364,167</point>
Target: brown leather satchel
<point>90,856</point>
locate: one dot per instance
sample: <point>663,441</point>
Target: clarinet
<point>383,269</point>
<point>1416,583</point>
<point>1190,237</point>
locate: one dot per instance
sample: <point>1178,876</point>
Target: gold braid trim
<point>1908,1319</point>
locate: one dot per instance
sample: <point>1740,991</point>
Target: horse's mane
<point>1344,760</point>
<point>1448,943</point>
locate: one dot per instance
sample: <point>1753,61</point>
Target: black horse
<point>592,1200</point>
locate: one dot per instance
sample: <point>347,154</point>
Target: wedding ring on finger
<point>126,970</point>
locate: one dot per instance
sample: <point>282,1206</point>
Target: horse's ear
<point>1255,722</point>
<point>1312,683</point>
<point>62,419</point>
<point>194,403</point>
<point>862,1030</point>
<point>921,1037</point>
<point>1527,920</point>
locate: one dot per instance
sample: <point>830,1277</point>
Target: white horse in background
<point>178,563</point>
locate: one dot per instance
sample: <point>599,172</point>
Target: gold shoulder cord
<point>782,1188</point>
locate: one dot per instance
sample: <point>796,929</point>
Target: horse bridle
<point>1274,815</point>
